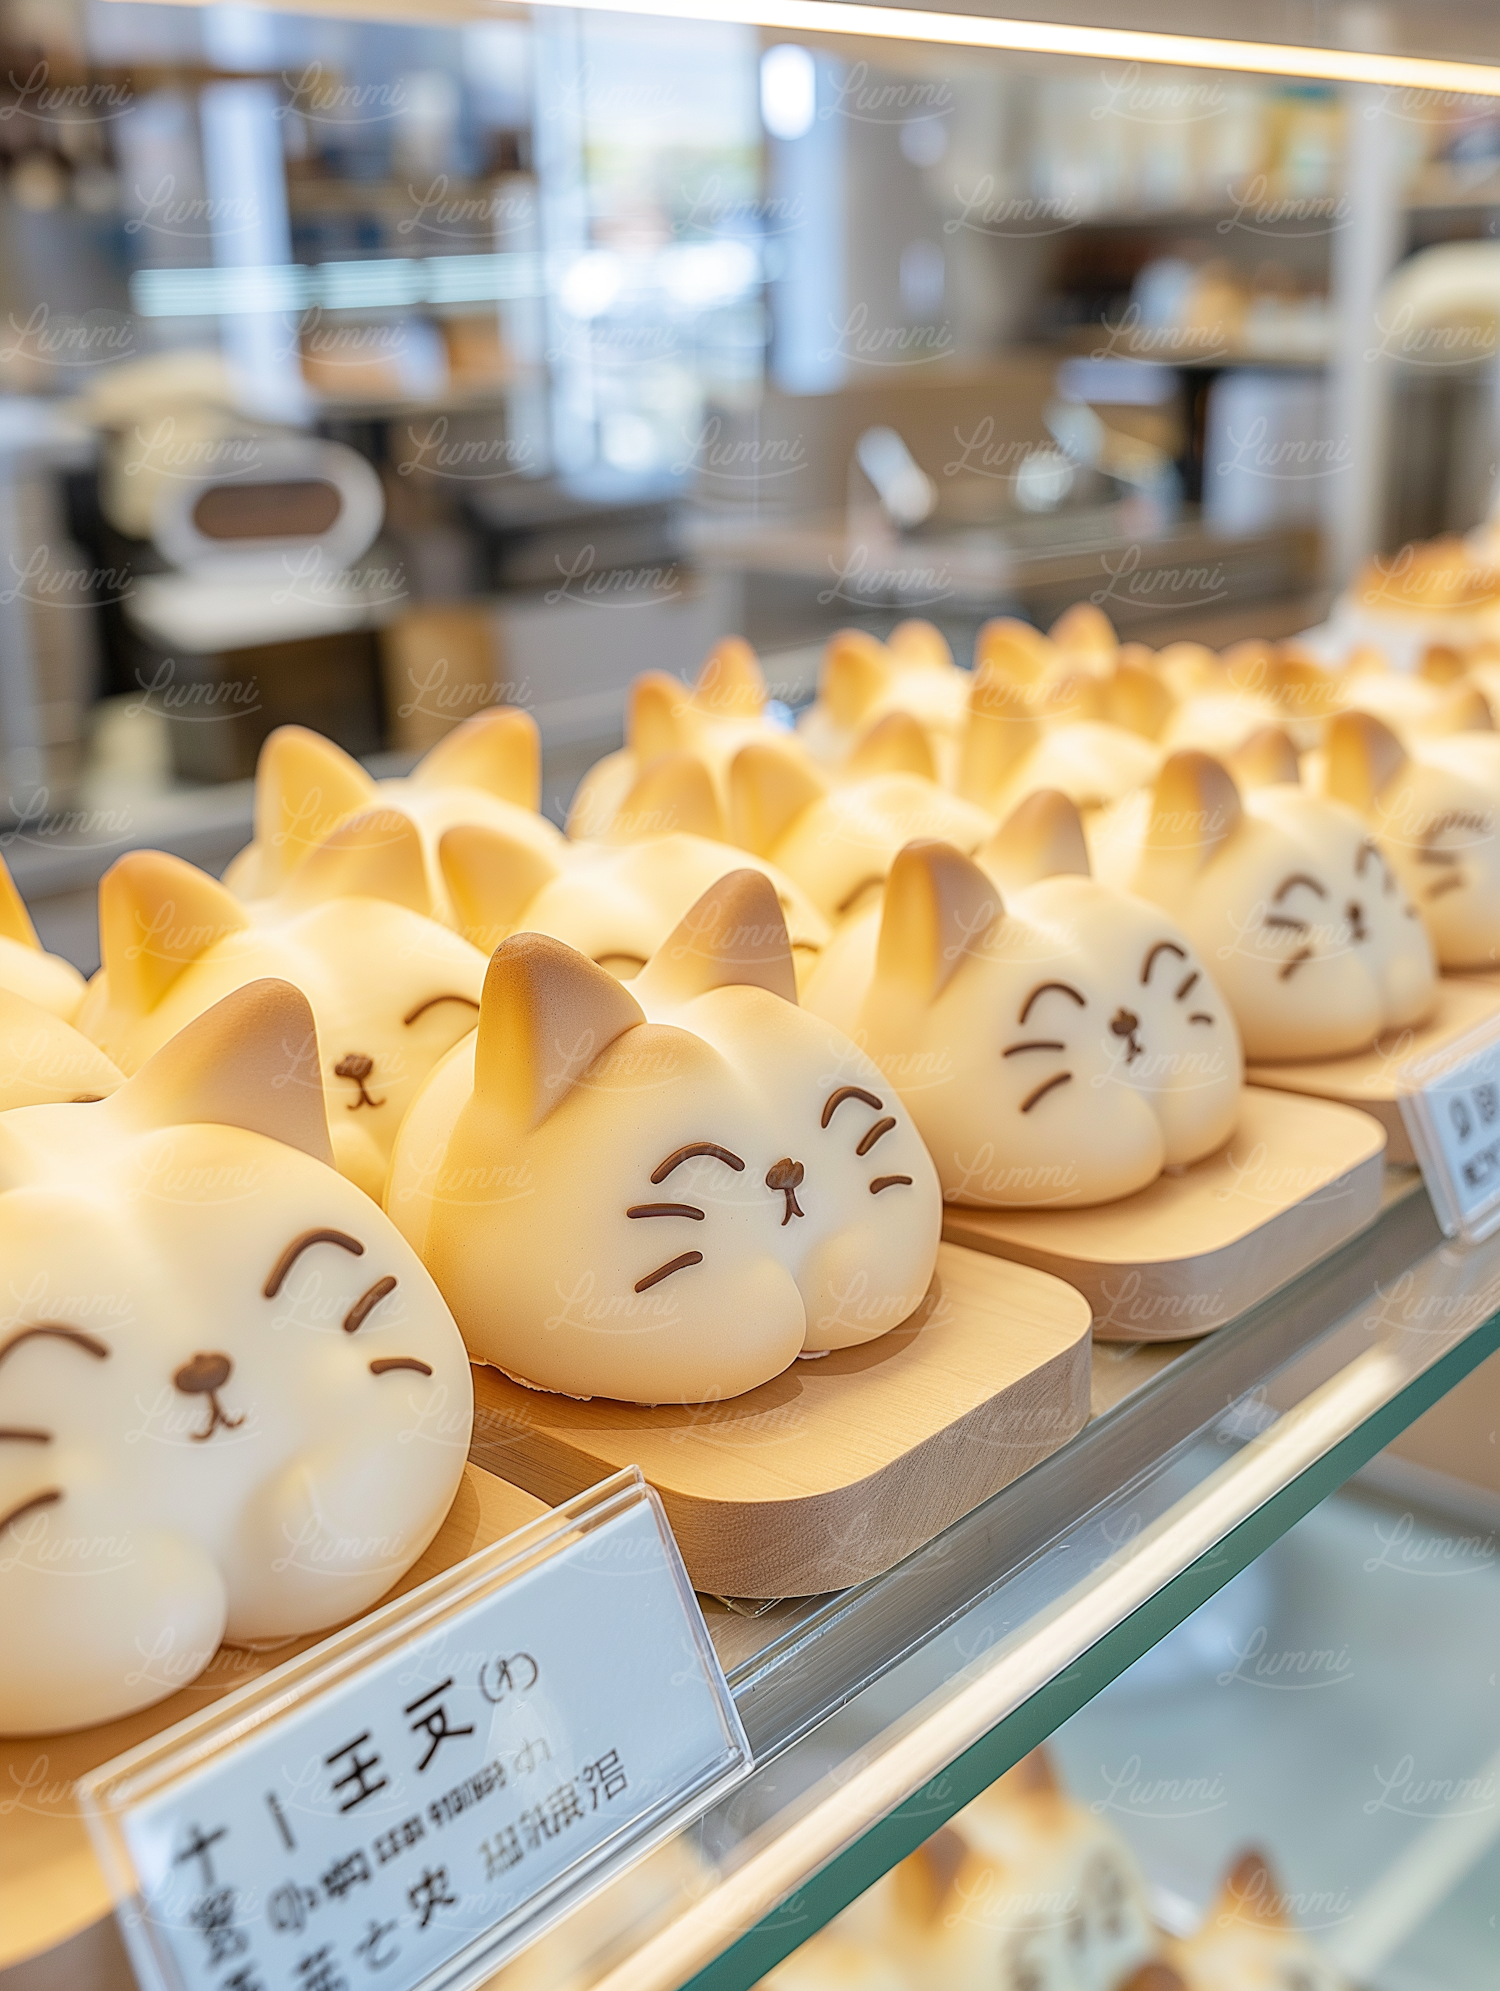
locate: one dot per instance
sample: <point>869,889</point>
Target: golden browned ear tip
<point>1440,664</point>
<point>895,744</point>
<point>1250,1892</point>
<point>1362,755</point>
<point>931,1871</point>
<point>546,1013</point>
<point>1156,1975</point>
<point>1036,1774</point>
<point>1265,759</point>
<point>674,793</point>
<point>734,935</point>
<point>1085,626</point>
<point>937,909</point>
<point>1040,838</point>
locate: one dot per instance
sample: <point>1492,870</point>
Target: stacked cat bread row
<point>1025,1889</point>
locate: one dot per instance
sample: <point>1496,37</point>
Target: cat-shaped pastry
<point>837,841</point>
<point>1022,1890</point>
<point>487,770</point>
<point>44,1061</point>
<point>1057,1041</point>
<point>391,989</point>
<point>1434,812</point>
<point>862,680</point>
<point>25,967</point>
<point>664,1191</point>
<point>1246,1943</point>
<point>232,1402</point>
<point>616,903</point>
<point>672,772</point>
<point>1024,735</point>
<point>1288,901</point>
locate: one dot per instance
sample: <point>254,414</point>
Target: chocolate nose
<point>786,1175</point>
<point>356,1066</point>
<point>203,1375</point>
<point>1124,1023</point>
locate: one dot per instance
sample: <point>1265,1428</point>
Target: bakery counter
<point>877,1713</point>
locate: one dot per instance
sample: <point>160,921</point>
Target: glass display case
<point>773,318</point>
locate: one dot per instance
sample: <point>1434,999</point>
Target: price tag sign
<point>408,1802</point>
<point>1450,1103</point>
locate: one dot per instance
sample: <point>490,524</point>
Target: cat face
<point>1056,1047</point>
<point>1247,1943</point>
<point>1434,814</point>
<point>232,1403</point>
<point>1022,1891</point>
<point>25,968</point>
<point>1303,921</point>
<point>614,903</point>
<point>838,843</point>
<point>753,1189</point>
<point>391,989</point>
<point>486,771</point>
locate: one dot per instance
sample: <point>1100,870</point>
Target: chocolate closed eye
<point>679,1155</point>
<point>1161,947</point>
<point>56,1331</point>
<point>303,1243</point>
<point>432,1002</point>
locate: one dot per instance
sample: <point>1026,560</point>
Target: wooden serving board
<point>57,1928</point>
<point>1195,1249</point>
<point>1368,1078</point>
<point>838,1467</point>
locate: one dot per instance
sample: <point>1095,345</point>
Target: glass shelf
<point>875,1714</point>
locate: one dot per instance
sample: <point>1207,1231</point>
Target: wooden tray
<point>57,1927</point>
<point>839,1467</point>
<point>1194,1249</point>
<point>1368,1079</point>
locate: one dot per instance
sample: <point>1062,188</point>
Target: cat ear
<point>1439,665</point>
<point>304,787</point>
<point>1195,807</point>
<point>251,1061</point>
<point>731,684</point>
<point>1189,667</point>
<point>1464,709</point>
<point>769,786</point>
<point>938,909</point>
<point>157,915</point>
<point>1362,754</point>
<point>44,1059</point>
<point>1008,645</point>
<point>1249,1894</point>
<point>1265,759</point>
<point>921,645</point>
<point>499,751</point>
<point>377,855</point>
<point>545,1015</point>
<point>734,936</point>
<point>1300,686</point>
<point>491,879</point>
<point>1039,839</point>
<point>1136,698</point>
<point>674,793</point>
<point>15,921</point>
<point>895,744</point>
<point>856,670</point>
<point>1085,630</point>
<point>925,1879</point>
<point>653,716</point>
<point>1000,731</point>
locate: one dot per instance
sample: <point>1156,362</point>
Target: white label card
<point>1451,1106</point>
<point>397,1815</point>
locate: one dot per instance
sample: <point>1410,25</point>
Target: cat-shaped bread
<point>1253,685</point>
<point>837,841</point>
<point>862,680</point>
<point>1246,1943</point>
<point>1433,811</point>
<point>664,1192</point>
<point>487,770</point>
<point>25,967</point>
<point>616,903</point>
<point>391,989</point>
<point>45,1062</point>
<point>1287,900</point>
<point>1022,735</point>
<point>672,772</point>
<point>232,1403</point>
<point>1022,1890</point>
<point>1057,1042</point>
